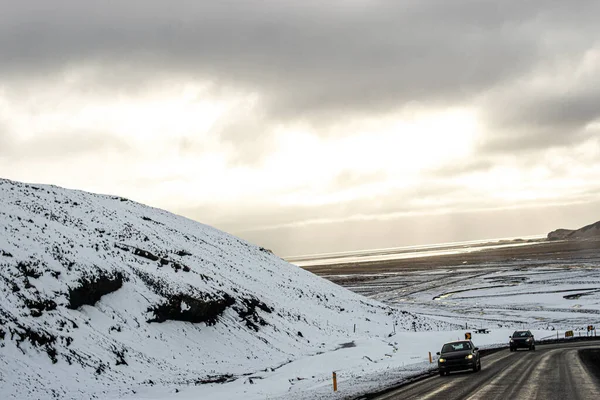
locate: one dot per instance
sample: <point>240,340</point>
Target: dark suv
<point>457,356</point>
<point>522,340</point>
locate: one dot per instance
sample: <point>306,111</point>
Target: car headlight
<point>470,356</point>
<point>442,360</point>
<point>529,340</point>
<point>512,341</point>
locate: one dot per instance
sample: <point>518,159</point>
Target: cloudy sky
<point>311,126</point>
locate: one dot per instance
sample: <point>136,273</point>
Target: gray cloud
<point>321,64</point>
<point>525,121</point>
<point>309,57</point>
<point>266,216</point>
<point>53,145</point>
<point>5,140</point>
<point>347,179</point>
<point>471,165</point>
<point>249,135</point>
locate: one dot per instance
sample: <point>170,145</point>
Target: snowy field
<point>559,295</point>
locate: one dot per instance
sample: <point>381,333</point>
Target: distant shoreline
<point>541,250</point>
<point>415,248</point>
<point>378,255</point>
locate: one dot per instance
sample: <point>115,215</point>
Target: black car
<point>522,340</point>
<point>458,356</point>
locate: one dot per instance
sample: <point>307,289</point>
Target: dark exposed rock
<point>183,253</point>
<point>145,254</point>
<point>101,368</point>
<point>51,351</point>
<point>162,260</point>
<point>120,355</point>
<point>5,253</point>
<point>177,267</point>
<point>40,305</point>
<point>90,290</point>
<point>264,250</point>
<point>28,270</point>
<point>215,379</point>
<point>35,313</point>
<point>247,311</point>
<point>183,307</point>
<point>153,283</point>
<point>121,247</point>
<point>37,339</point>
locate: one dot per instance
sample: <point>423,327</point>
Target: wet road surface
<point>561,371</point>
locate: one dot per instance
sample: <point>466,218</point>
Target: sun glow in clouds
<point>170,150</point>
<point>395,149</point>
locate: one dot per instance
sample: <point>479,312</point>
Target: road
<point>561,371</point>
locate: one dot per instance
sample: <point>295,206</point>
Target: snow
<point>270,315</point>
<point>187,311</point>
<point>543,294</point>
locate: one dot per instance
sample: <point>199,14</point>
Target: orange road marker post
<point>430,359</point>
<point>334,382</point>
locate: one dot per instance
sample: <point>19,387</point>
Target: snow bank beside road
<point>368,365</point>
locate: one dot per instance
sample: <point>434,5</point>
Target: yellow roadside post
<point>334,382</point>
<point>430,359</point>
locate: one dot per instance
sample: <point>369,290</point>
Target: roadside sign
<point>569,334</point>
<point>468,336</point>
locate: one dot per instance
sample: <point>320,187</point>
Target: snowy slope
<point>102,295</point>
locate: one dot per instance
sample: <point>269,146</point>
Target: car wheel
<point>442,373</point>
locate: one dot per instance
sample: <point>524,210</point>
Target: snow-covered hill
<point>102,296</point>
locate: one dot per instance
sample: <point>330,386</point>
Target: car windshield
<point>521,334</point>
<point>459,346</point>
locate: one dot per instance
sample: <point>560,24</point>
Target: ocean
<point>397,253</point>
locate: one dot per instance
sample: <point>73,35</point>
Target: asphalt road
<point>561,371</point>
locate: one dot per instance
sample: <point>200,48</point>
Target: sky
<point>310,126</point>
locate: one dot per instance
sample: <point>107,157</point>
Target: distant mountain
<point>587,232</point>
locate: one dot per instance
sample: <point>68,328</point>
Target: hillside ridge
<point>587,232</point>
<point>102,294</point>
